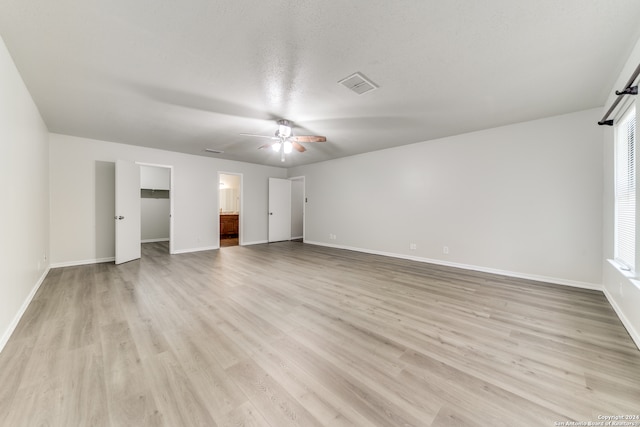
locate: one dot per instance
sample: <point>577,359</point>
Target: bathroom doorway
<point>230,206</point>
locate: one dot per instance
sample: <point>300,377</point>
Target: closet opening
<point>155,210</point>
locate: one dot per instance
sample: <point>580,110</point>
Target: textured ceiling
<point>190,75</point>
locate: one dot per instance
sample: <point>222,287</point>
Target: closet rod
<point>629,89</point>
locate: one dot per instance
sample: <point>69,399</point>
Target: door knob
<point>270,213</point>
<point>119,217</point>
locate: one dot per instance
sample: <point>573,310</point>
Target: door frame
<point>171,193</point>
<point>240,207</point>
<point>304,203</point>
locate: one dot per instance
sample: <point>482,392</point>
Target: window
<point>625,191</point>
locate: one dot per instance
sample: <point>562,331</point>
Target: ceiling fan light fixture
<point>288,147</point>
<point>284,129</point>
<point>284,141</point>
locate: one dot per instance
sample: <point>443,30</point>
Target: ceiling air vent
<point>211,150</point>
<point>358,83</point>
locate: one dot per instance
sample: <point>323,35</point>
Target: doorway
<point>156,209</point>
<point>230,206</point>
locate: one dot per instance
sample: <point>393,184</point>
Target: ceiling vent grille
<point>211,150</point>
<point>358,83</point>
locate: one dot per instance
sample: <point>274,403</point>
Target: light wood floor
<point>229,241</point>
<point>289,334</point>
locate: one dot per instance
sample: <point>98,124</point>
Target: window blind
<point>625,191</point>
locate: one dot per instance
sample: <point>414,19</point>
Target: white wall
<point>154,221</point>
<point>24,217</point>
<point>524,200</point>
<point>622,292</point>
<point>155,178</point>
<point>82,193</point>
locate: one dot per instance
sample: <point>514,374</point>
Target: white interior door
<point>127,211</point>
<point>279,209</point>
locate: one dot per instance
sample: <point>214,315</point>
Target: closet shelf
<point>148,193</point>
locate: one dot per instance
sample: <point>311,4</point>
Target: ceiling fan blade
<point>298,147</point>
<point>307,138</point>
<point>266,145</point>
<point>260,136</point>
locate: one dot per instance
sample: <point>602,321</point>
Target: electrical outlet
<point>445,250</point>
<point>413,246</point>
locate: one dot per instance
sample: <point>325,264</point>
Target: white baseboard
<point>16,319</point>
<point>633,332</point>
<point>256,242</point>
<point>112,259</point>
<point>186,251</point>
<point>82,262</point>
<point>165,239</point>
<point>546,279</point>
<point>297,237</point>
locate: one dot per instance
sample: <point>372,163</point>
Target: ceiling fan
<point>284,141</point>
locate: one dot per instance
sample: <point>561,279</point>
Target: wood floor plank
<point>324,405</point>
<point>176,398</point>
<point>129,394</point>
<point>366,401</point>
<point>84,389</point>
<point>245,415</point>
<point>37,405</point>
<point>400,403</point>
<point>13,363</point>
<point>459,417</point>
<point>74,394</point>
<point>49,354</point>
<point>209,330</point>
<point>275,404</point>
<point>295,334</point>
<point>490,403</point>
<point>208,377</point>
